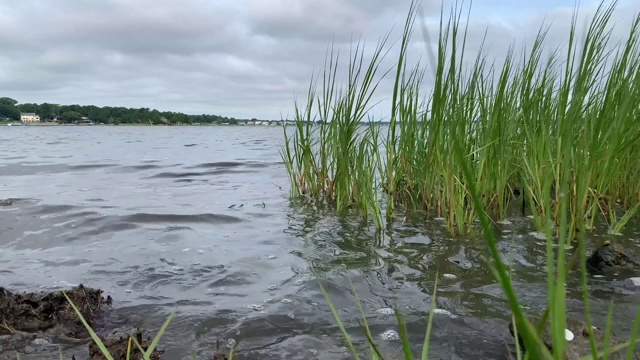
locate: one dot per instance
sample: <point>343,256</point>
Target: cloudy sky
<point>240,58</point>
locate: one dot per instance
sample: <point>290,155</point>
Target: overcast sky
<point>240,58</point>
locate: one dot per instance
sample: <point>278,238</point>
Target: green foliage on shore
<point>11,109</point>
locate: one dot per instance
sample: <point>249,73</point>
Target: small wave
<point>179,175</point>
<point>90,166</point>
<point>70,262</point>
<point>27,169</point>
<point>230,164</point>
<point>178,218</point>
<point>53,209</point>
<point>176,175</point>
<point>109,228</point>
<point>13,157</point>
<point>143,167</point>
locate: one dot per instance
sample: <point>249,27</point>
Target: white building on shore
<point>29,118</point>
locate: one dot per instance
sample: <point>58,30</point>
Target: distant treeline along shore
<point>45,113</point>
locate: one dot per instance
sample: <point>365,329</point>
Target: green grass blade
<point>156,339</point>
<point>339,321</point>
<point>427,336</point>
<point>375,353</point>
<point>634,336</point>
<point>404,336</point>
<point>94,336</point>
<point>607,332</point>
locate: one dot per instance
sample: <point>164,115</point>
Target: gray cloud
<point>242,58</point>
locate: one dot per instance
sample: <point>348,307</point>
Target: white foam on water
<point>444,312</point>
<point>256,307</point>
<point>385,311</point>
<point>390,335</point>
<point>538,235</point>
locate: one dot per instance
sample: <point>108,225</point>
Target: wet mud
<point>30,315</point>
<point>42,312</point>
<point>610,259</point>
<point>118,345</point>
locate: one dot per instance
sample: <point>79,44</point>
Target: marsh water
<point>200,218</point>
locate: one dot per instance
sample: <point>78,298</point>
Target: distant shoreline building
<point>29,118</point>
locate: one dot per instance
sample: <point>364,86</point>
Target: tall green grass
<point>512,121</point>
<point>562,131</point>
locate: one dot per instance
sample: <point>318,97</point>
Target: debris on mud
<point>579,346</point>
<point>40,312</point>
<point>117,345</point>
<point>610,258</point>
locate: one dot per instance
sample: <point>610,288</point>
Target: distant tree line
<point>11,109</point>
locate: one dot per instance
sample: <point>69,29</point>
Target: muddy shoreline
<point>35,314</point>
<point>27,314</point>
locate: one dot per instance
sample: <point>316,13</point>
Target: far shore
<point>272,123</point>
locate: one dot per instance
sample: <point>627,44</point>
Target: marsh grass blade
<point>94,336</point>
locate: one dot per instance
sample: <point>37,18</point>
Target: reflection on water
<point>199,218</point>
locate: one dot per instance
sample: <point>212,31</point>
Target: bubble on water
<point>390,335</point>
<point>504,222</point>
<point>439,219</point>
<point>385,311</point>
<point>178,268</point>
<point>231,343</point>
<point>291,315</point>
<point>272,257</point>
<point>286,301</point>
<point>299,282</point>
<point>128,291</point>
<point>256,307</point>
<point>185,250</point>
<point>40,341</point>
<point>268,301</point>
<point>538,235</point>
<point>272,287</point>
<point>444,312</point>
<point>200,252</point>
<point>449,276</point>
<point>598,276</point>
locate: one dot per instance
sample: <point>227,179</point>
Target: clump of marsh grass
<point>511,121</point>
<point>565,136</point>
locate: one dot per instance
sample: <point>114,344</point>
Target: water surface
<point>199,218</point>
